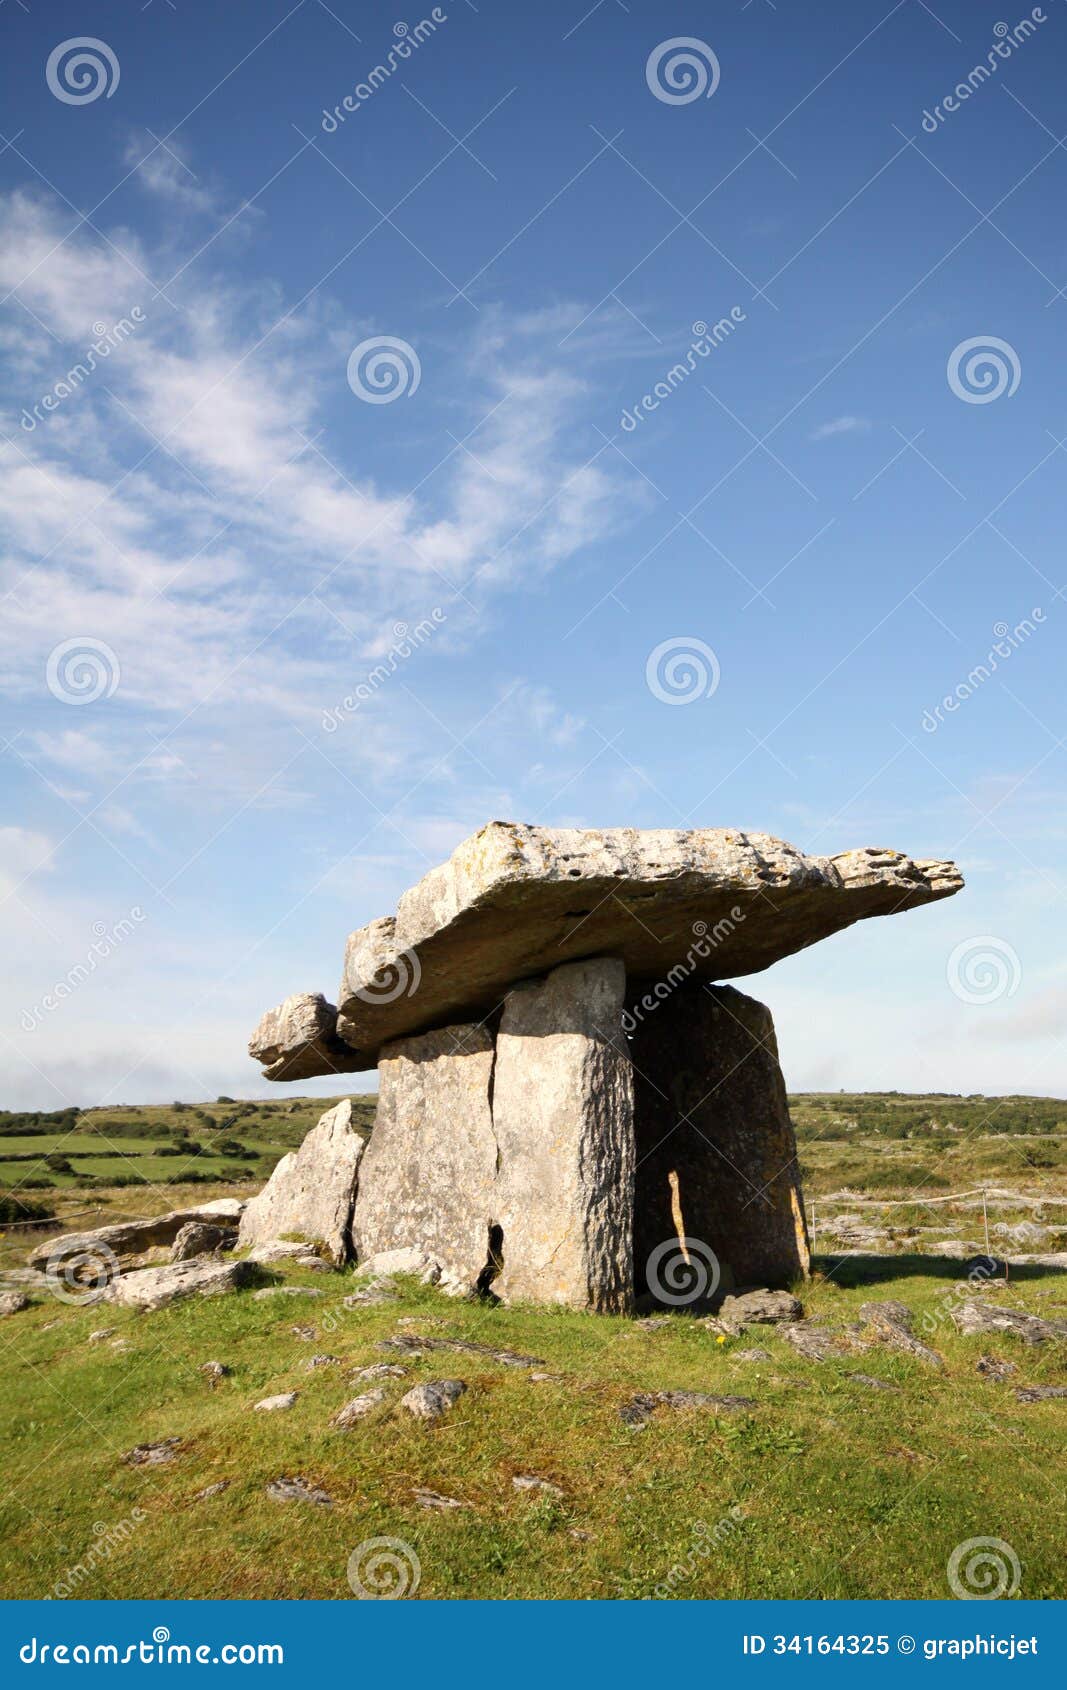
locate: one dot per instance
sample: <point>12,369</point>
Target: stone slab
<point>312,1190</point>
<point>428,1175</point>
<point>515,901</point>
<point>563,1118</point>
<point>715,1147</point>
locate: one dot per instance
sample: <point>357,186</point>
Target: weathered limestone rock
<point>760,1308</point>
<point>716,1154</point>
<point>892,1322</point>
<point>312,1190</point>
<point>200,1238</point>
<point>426,1183</point>
<point>978,1319</point>
<point>563,1118</point>
<point>155,1287</point>
<point>131,1238</point>
<point>299,1039</point>
<point>515,901</point>
<point>433,1400</point>
<point>13,1302</point>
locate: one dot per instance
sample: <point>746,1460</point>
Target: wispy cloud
<point>840,425</point>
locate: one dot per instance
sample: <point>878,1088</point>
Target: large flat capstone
<point>516,901</point>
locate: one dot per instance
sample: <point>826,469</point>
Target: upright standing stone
<point>716,1152</point>
<point>563,1116</point>
<point>311,1191</point>
<point>427,1179</point>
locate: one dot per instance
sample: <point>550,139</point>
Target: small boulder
<point>214,1372</point>
<point>271,1405</point>
<point>991,1367</point>
<point>891,1323</point>
<point>153,1455</point>
<point>530,1481</point>
<point>316,1361</point>
<point>753,1355</point>
<point>977,1319</point>
<point>270,1291</point>
<point>760,1308</point>
<point>432,1401</point>
<point>201,1238</point>
<point>211,1490</point>
<point>297,1489</point>
<point>13,1302</point>
<point>432,1499</point>
<point>155,1287</point>
<point>1039,1393</point>
<point>414,1262</point>
<point>380,1370</point>
<point>357,1409</point>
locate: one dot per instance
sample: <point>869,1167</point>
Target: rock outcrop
<point>299,1040</point>
<point>155,1287</point>
<point>133,1238</point>
<point>312,1190</point>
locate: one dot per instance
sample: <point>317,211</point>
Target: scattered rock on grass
<point>214,1372</point>
<point>357,1410</point>
<point>200,1238</point>
<point>13,1302</point>
<point>1039,1393</point>
<point>530,1481</point>
<point>639,1409</point>
<point>319,1361</point>
<point>991,1367</point>
<point>891,1322</point>
<point>813,1342</point>
<point>155,1287</point>
<point>466,1346</point>
<point>212,1490</point>
<point>271,1405</point>
<point>976,1319</point>
<point>297,1489</point>
<point>153,1455</point>
<point>308,1333</point>
<point>872,1383</point>
<point>101,1333</point>
<point>380,1370</point>
<point>433,1499</point>
<point>286,1291</point>
<point>432,1400</point>
<point>760,1308</point>
<point>754,1354</point>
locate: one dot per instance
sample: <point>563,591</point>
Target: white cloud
<point>840,425</point>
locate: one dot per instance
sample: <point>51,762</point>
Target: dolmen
<point>568,1090</point>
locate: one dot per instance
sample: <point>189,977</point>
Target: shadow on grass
<point>868,1270</point>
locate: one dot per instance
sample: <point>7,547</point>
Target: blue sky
<point>230,534</point>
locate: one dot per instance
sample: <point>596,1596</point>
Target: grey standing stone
<point>312,1190</point>
<point>563,1116</point>
<point>426,1185</point>
<point>716,1151</point>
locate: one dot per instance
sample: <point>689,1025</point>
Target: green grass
<point>841,1491</point>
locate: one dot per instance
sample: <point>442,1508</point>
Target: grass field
<point>826,1486</point>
